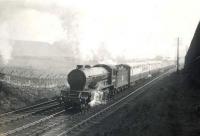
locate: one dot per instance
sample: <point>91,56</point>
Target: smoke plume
<point>5,50</point>
<point>5,45</point>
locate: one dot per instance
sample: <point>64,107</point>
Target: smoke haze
<point>27,21</point>
<point>92,30</point>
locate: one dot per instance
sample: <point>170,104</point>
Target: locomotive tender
<point>90,86</point>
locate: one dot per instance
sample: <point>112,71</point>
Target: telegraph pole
<point>177,59</point>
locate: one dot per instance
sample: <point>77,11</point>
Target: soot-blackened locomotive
<point>90,86</point>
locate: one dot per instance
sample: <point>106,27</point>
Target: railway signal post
<point>177,60</point>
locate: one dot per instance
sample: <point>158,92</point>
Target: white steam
<point>5,45</point>
<point>97,98</point>
<point>5,50</point>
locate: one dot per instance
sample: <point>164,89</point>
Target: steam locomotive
<point>90,86</point>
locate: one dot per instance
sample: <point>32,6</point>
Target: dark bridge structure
<point>192,59</point>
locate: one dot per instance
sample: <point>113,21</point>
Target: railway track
<point>15,119</point>
<point>26,108</point>
<point>29,126</point>
<point>57,125</point>
<point>95,118</point>
<point>26,112</point>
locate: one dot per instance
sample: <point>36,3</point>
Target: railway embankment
<point>9,99</point>
<point>169,107</point>
<point>14,97</point>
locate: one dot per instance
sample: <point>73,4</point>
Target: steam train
<point>90,86</point>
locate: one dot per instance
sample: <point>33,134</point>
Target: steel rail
<point>28,114</point>
<point>26,108</point>
<point>31,124</point>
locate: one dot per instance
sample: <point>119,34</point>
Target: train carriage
<point>138,72</point>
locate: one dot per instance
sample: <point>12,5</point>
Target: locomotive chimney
<point>87,66</point>
<point>83,66</point>
<point>79,66</point>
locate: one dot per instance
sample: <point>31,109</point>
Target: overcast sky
<point>128,28</point>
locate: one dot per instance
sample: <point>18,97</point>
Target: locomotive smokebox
<point>76,80</point>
